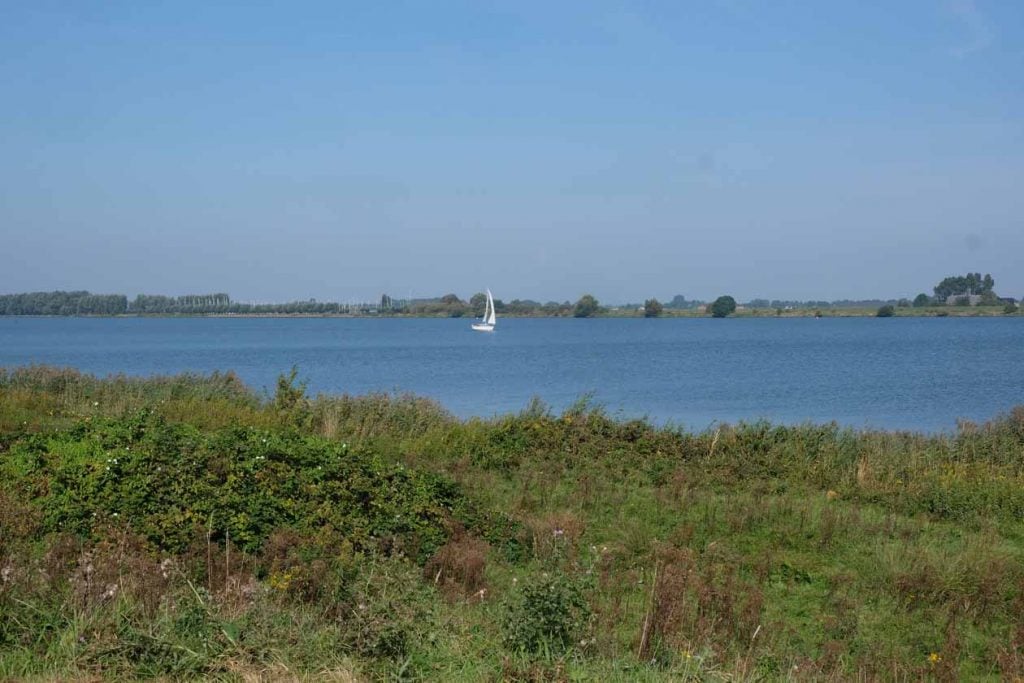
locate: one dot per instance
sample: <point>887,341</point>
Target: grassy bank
<point>186,526</point>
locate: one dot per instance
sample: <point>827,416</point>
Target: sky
<point>340,150</point>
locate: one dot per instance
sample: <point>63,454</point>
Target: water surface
<point>907,373</point>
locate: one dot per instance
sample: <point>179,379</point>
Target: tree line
<point>63,303</point>
<point>956,289</point>
<point>86,303</point>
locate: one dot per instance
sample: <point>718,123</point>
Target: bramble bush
<point>171,482</point>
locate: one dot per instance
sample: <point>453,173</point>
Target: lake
<point>905,373</point>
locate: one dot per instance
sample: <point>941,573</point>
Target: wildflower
<point>934,658</point>
<point>95,403</point>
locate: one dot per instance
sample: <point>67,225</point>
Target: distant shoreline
<point>928,312</point>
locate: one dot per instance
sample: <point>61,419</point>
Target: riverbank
<point>186,526</point>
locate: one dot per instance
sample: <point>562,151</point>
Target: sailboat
<point>486,324</point>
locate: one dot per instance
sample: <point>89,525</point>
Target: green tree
<point>971,283</point>
<point>922,300</point>
<point>885,311</point>
<point>586,307</point>
<point>678,301</point>
<point>478,302</point>
<point>722,307</point>
<point>652,308</point>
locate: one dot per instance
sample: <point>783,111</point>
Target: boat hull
<point>483,327</point>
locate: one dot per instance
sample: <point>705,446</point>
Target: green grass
<point>378,537</point>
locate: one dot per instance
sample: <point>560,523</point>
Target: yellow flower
<point>934,658</point>
<point>280,581</point>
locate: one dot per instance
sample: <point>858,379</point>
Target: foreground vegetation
<point>187,526</point>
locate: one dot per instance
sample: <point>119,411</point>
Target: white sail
<point>490,319</point>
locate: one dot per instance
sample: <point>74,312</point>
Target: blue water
<point>911,373</point>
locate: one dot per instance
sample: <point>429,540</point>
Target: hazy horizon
<point>626,149</point>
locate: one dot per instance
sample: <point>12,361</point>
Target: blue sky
<point>629,149</point>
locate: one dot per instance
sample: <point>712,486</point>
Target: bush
<point>548,614</point>
<point>1010,309</point>
<point>168,481</point>
<point>885,312</point>
<point>922,300</point>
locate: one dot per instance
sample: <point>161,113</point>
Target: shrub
<point>168,481</point>
<point>548,614</point>
<point>1010,309</point>
<point>652,308</point>
<point>885,311</point>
